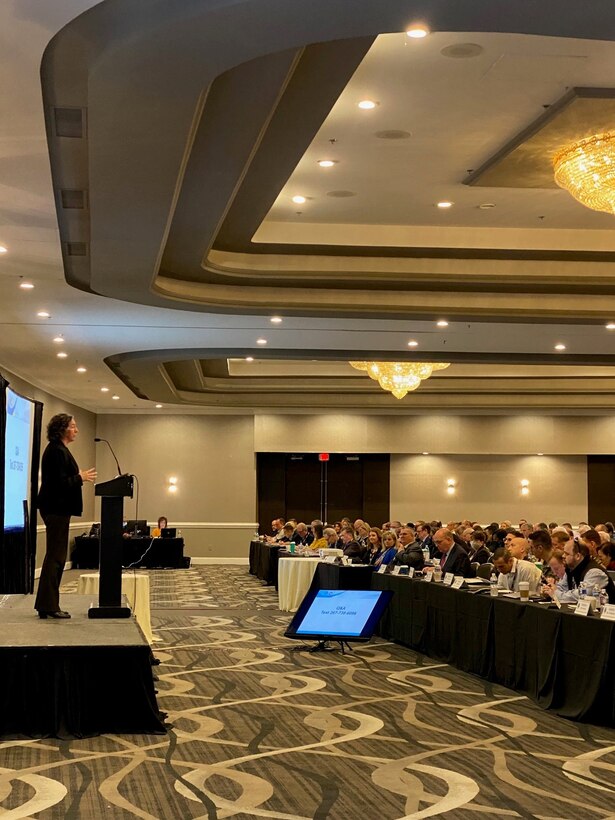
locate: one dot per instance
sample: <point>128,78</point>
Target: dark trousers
<point>48,595</point>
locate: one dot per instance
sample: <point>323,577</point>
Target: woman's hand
<point>88,475</point>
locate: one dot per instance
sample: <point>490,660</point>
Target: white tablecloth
<point>135,586</point>
<point>294,579</point>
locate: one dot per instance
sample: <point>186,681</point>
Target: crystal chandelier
<point>586,169</point>
<point>399,378</point>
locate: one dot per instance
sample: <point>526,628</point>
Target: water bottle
<point>493,585</point>
<point>425,554</point>
<point>583,590</point>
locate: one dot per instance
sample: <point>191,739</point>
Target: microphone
<point>119,469</point>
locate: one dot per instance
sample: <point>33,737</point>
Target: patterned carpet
<point>262,731</point>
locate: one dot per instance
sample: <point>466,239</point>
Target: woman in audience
<point>375,548</point>
<point>162,525</point>
<point>363,532</point>
<point>606,556</point>
<point>389,545</point>
<point>479,551</point>
<point>319,542</point>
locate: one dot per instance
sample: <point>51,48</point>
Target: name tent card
<point>582,608</point>
<point>411,572</point>
<point>449,578</point>
<point>396,570</point>
<point>458,582</point>
<point>428,576</point>
<point>382,568</point>
<point>608,612</point>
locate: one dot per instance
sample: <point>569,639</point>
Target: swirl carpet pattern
<point>261,731</point>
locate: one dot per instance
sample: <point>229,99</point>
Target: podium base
<point>109,612</point>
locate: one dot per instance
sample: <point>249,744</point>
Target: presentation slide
<point>19,421</point>
<point>339,612</point>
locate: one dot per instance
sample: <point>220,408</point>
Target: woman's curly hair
<point>58,426</point>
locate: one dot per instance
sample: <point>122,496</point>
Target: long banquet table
<point>565,662</point>
<point>264,561</point>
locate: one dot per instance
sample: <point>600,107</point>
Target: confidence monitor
<point>341,615</point>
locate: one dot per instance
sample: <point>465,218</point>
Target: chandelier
<point>399,378</point>
<point>586,169</point>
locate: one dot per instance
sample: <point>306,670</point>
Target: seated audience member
<point>540,526</point>
<point>552,526</point>
<point>479,551</point>
<point>518,548</point>
<point>592,541</point>
<point>337,526</point>
<point>513,571</point>
<point>288,531</point>
<point>454,557</point>
<point>160,526</point>
<point>423,533</point>
<point>331,536</point>
<point>346,522</point>
<point>302,536</point>
<point>510,534</point>
<point>409,552</point>
<point>498,538</point>
<point>541,546</point>
<point>466,536</point>
<point>554,575</point>
<point>389,547</point>
<point>606,556</point>
<point>559,538</point>
<point>375,550</point>
<point>362,535</point>
<point>395,526</point>
<point>525,528</point>
<point>319,542</point>
<point>581,567</point>
<point>277,526</point>
<point>351,548</point>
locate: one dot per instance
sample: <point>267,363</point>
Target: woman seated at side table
<point>389,544</point>
<point>162,525</point>
<point>319,542</point>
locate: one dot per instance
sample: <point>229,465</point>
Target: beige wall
<point>212,458</point>
<point>488,488</point>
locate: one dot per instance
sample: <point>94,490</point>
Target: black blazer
<point>60,492</point>
<point>458,562</point>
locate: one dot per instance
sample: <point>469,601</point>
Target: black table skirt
<point>563,661</point>
<point>335,576</point>
<point>163,552</point>
<point>264,561</point>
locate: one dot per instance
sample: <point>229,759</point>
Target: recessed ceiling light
<point>540,454</point>
<point>43,314</point>
<point>327,163</point>
<point>610,326</point>
<point>275,320</point>
<point>417,32</point>
<point>249,359</point>
<point>115,398</point>
<point>61,355</point>
<point>425,453</point>
<point>261,341</point>
<point>413,343</point>
<point>299,200</point>
<point>104,389</point>
<point>367,105</point>
<point>58,340</point>
<point>82,369</point>
<point>3,249</point>
<point>445,203</point>
<point>26,285</point>
<point>442,323</point>
<point>560,347</point>
<point>485,206</point>
<point>158,406</point>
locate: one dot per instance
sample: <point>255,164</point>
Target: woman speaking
<point>59,497</point>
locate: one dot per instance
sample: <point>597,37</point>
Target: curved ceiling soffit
<point>145,169</point>
<point>201,377</point>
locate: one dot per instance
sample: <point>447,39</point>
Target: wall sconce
<point>451,486</point>
<point>172,488</point>
<point>525,486</point>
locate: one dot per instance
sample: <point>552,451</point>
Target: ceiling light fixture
<point>158,406</point>
<point>299,200</point>
<point>275,320</point>
<point>58,340</point>
<point>3,249</point>
<point>442,323</point>
<point>560,347</point>
<point>367,105</point>
<point>413,343</point>
<point>586,169</point>
<point>425,453</point>
<point>61,355</point>
<point>399,378</point>
<point>249,359</point>
<point>444,204</point>
<point>104,389</point>
<point>261,341</point>
<point>610,326</point>
<point>42,314</point>
<point>82,369</point>
<point>115,398</point>
<point>26,285</point>
<point>417,31</point>
<point>327,163</point>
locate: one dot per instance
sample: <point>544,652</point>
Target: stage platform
<point>75,677</point>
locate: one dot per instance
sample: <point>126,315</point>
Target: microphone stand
<point>119,469</point>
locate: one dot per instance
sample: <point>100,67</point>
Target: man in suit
<point>423,533</point>
<point>351,548</point>
<point>409,553</point>
<point>454,558</point>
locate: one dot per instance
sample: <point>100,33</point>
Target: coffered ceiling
<point>149,198</point>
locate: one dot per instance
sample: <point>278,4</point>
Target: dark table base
<point>161,553</point>
<point>264,562</point>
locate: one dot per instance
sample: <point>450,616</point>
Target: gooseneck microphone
<point>119,469</point>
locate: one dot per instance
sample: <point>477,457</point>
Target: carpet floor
<point>261,731</point>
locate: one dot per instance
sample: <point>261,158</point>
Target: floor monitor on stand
<point>340,615</point>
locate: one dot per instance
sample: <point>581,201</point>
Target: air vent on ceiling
<point>69,122</point>
<point>76,249</point>
<point>72,199</point>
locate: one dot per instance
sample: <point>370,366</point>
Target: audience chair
<point>484,571</point>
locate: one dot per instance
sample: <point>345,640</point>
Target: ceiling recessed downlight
<point>610,326</point>
<point>275,320</point>
<point>115,398</point>
<point>392,134</point>
<point>58,340</point>
<point>367,105</point>
<point>158,406</point>
<point>61,355</point>
<point>486,206</point>
<point>444,204</point>
<point>104,389</point>
<point>417,31</point>
<point>341,194</point>
<point>249,358</point>
<point>261,341</point>
<point>26,285</point>
<point>327,163</point>
<point>413,343</point>
<point>560,346</point>
<point>442,323</point>
<point>462,51</point>
<point>82,369</point>
<point>3,249</point>
<point>42,314</point>
<point>299,200</point>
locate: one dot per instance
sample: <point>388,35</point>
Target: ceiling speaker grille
<point>76,249</point>
<point>72,199</point>
<point>69,122</point>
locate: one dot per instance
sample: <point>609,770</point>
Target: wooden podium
<point>112,494</point>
